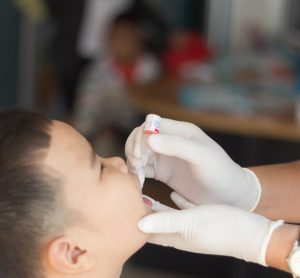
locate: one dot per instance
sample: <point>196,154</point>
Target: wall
<point>9,33</point>
<point>269,15</point>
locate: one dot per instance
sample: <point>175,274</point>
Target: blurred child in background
<point>102,99</point>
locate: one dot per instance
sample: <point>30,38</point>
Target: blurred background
<point>230,66</point>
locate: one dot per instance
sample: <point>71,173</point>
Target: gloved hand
<point>210,229</point>
<point>194,165</point>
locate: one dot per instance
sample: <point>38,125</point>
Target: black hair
<point>28,199</point>
<point>126,17</point>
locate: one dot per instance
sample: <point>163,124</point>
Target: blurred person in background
<point>102,99</point>
<point>80,31</point>
<point>98,16</point>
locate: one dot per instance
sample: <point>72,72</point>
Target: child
<point>64,211</point>
<point>102,97</point>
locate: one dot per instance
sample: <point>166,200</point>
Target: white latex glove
<point>210,229</point>
<point>194,165</point>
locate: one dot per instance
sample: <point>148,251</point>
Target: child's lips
<point>147,201</point>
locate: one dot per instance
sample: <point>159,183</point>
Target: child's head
<point>124,38</point>
<point>64,211</point>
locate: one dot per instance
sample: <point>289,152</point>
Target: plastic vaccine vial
<point>152,124</point>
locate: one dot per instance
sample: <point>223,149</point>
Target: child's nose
<point>118,163</point>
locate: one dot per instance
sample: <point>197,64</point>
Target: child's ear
<point>65,256</point>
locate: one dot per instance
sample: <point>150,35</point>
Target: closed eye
<point>101,168</point>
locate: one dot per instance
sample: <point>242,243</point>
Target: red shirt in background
<point>127,72</point>
<point>185,48</point>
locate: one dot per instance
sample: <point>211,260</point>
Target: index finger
<point>180,128</point>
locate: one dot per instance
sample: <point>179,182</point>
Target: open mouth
<point>147,201</point>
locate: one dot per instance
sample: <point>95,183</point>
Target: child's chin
<point>141,240</point>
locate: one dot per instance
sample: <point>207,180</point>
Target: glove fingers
<point>166,222</point>
<point>168,127</point>
<point>171,145</point>
<point>149,171</point>
<point>166,240</point>
<point>129,145</point>
<point>129,166</point>
<point>137,152</point>
<point>157,206</point>
<point>176,241</point>
<point>181,202</point>
<point>182,129</point>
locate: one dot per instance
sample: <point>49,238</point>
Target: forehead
<point>65,136</point>
<point>124,28</point>
<point>68,149</point>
